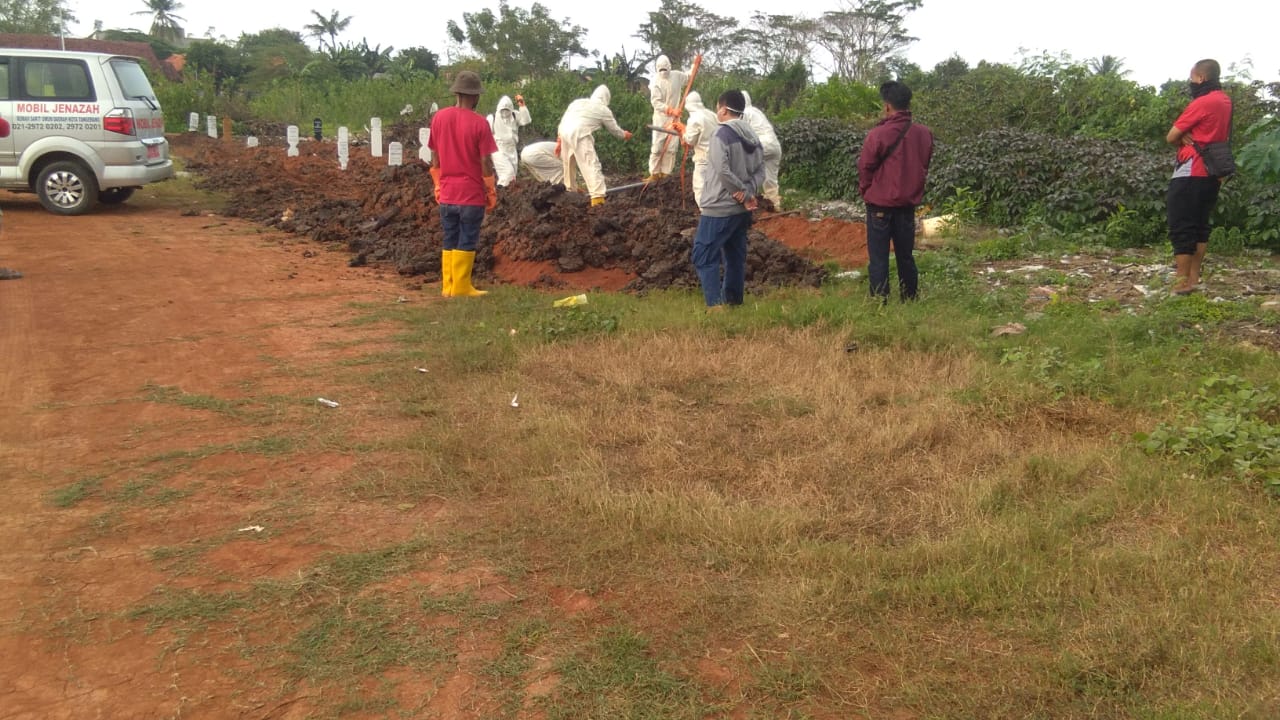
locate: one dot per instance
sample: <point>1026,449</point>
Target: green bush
<point>820,156</point>
<point>1070,183</point>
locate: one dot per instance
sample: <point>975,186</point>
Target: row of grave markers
<point>395,150</point>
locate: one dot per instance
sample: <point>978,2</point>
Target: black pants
<point>1189,203</point>
<point>899,226</point>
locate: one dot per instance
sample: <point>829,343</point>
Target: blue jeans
<point>899,226</point>
<point>722,239</point>
<point>461,225</point>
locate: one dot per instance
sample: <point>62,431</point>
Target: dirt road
<point>123,306</point>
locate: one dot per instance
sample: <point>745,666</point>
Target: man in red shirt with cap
<point>461,144</point>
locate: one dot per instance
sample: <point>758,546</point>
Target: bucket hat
<point>467,83</point>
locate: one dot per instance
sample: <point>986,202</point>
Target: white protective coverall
<point>772,149</point>
<point>664,93</point>
<point>505,124</point>
<point>702,124</point>
<point>577,144</point>
<point>541,161</point>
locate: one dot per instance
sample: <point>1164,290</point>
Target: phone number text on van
<point>57,122</point>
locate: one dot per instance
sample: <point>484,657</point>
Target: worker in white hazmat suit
<point>578,145</point>
<point>542,162</point>
<point>664,96</point>
<point>506,123</point>
<point>772,150</point>
<point>698,130</point>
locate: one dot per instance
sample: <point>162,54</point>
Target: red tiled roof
<point>115,47</point>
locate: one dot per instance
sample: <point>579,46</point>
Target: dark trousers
<point>1189,203</point>
<point>896,225</point>
<point>461,226</point>
<point>722,240</point>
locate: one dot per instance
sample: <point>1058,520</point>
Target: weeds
<point>1229,425</point>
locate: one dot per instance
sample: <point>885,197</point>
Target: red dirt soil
<point>819,240</point>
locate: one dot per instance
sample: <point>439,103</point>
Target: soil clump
<point>539,235</point>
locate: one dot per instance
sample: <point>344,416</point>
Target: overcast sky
<point>1156,40</point>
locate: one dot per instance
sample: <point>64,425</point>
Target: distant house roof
<point>115,47</point>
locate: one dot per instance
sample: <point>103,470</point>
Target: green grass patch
<point>77,492</point>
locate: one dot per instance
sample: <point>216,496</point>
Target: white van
<point>86,128</point>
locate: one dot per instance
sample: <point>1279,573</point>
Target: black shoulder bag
<point>892,147</point>
<point>1217,158</point>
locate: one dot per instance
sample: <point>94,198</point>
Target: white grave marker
<point>291,135</point>
<point>424,152</point>
<point>395,154</point>
<point>344,147</point>
<point>193,122</point>
<point>375,136</point>
<point>251,141</point>
<point>212,122</point>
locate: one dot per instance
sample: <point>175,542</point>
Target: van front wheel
<point>67,188</point>
<point>115,196</point>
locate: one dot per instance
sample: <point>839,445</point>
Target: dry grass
<point>873,531</point>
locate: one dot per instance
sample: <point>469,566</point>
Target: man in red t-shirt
<point>461,144</point>
<point>1193,193</point>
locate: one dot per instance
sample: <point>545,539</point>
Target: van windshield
<point>133,81</point>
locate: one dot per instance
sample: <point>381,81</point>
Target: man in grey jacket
<point>732,178</point>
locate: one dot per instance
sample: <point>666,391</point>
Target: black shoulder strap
<point>893,146</point>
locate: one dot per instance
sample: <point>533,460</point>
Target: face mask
<point>1200,88</point>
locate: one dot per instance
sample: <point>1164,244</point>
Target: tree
<point>864,35</point>
<point>164,19</point>
<point>271,55</point>
<point>773,41</point>
<point>518,43</point>
<point>330,26</point>
<point>224,63</point>
<point>418,59</point>
<point>1108,65</point>
<point>35,17</point>
<point>681,30</point>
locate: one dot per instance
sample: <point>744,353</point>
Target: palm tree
<point>330,26</point>
<point>164,20</point>
<point>1108,65</point>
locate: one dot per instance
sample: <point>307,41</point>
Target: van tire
<point>67,187</point>
<point>115,196</point>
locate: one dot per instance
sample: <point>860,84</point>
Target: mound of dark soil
<point>388,215</point>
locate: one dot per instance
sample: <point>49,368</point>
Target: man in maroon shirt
<point>1192,191</point>
<point>461,144</point>
<point>892,169</point>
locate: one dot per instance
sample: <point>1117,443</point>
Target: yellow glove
<point>677,126</point>
<point>490,192</point>
<point>435,182</point>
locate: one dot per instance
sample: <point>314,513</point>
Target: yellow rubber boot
<point>463,262</point>
<point>597,201</point>
<point>446,273</point>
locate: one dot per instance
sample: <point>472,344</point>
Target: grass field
<point>809,507</point>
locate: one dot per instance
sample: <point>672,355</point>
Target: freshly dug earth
<point>538,235</point>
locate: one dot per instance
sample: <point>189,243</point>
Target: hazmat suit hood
<point>505,105</point>
<point>602,95</point>
<point>664,63</point>
<point>746,96</point>
<point>694,102</point>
